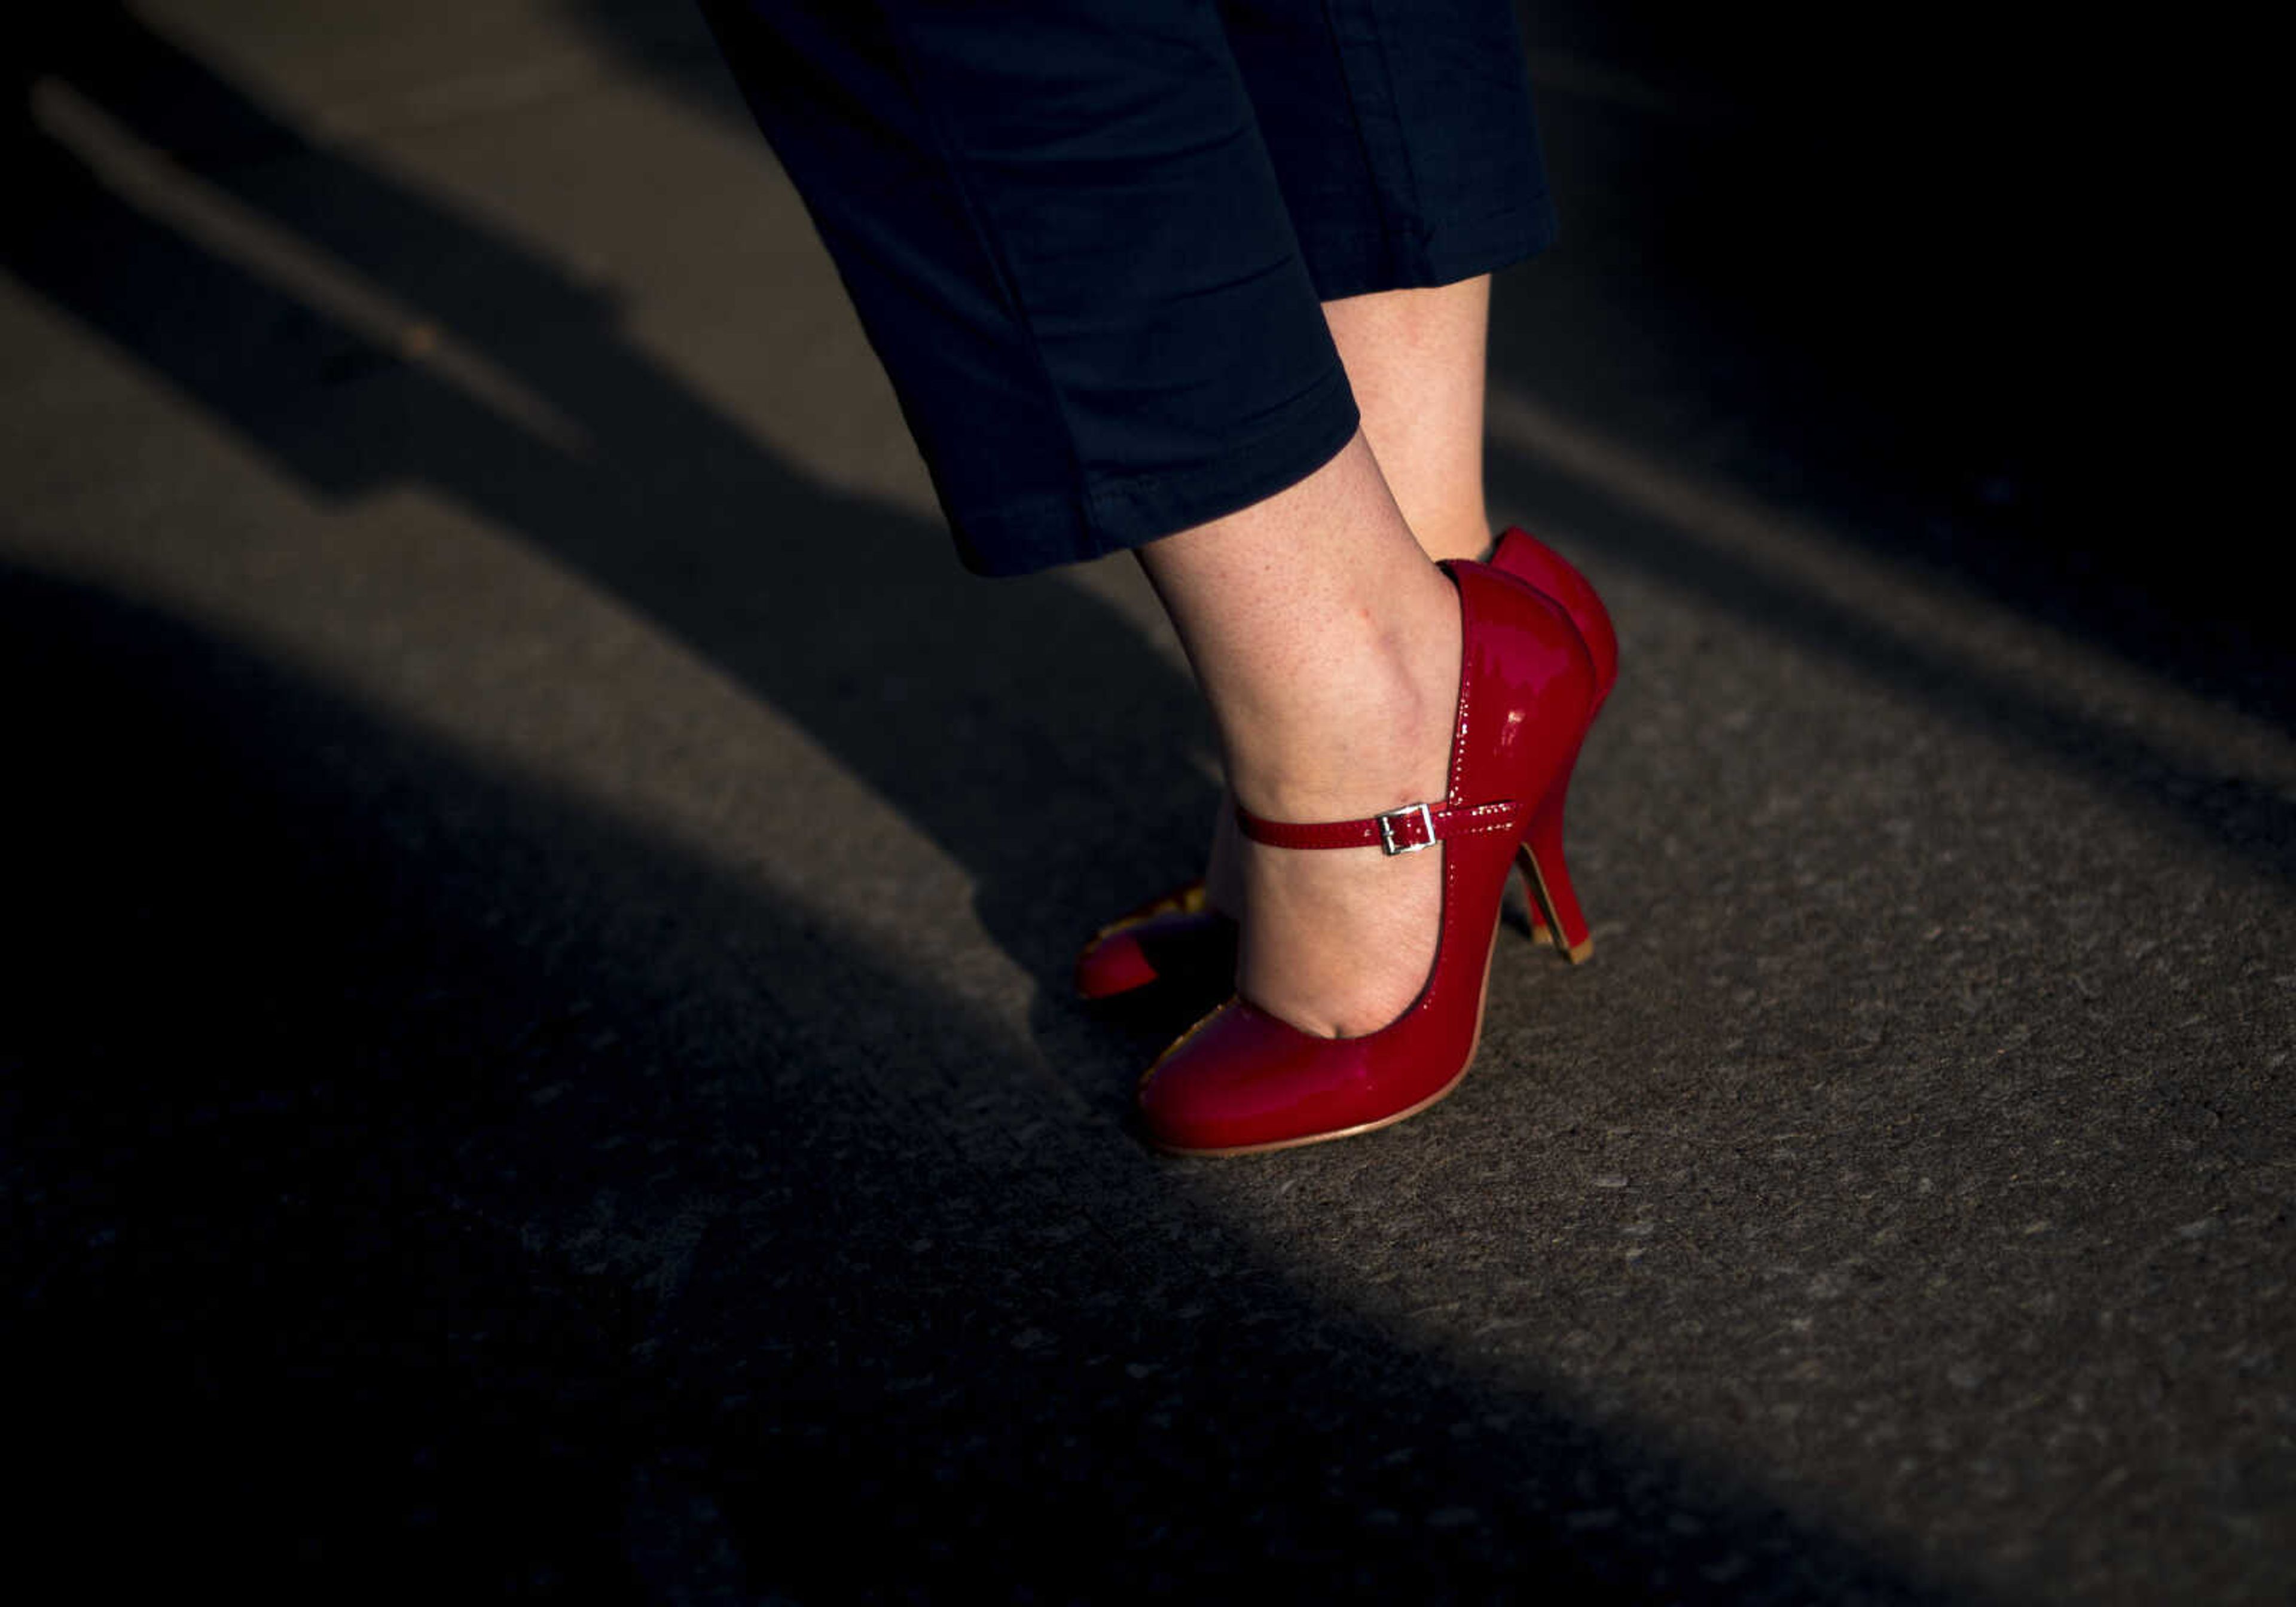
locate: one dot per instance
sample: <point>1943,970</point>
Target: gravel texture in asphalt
<point>538,1060</point>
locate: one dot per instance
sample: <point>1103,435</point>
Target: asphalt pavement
<point>539,1062</point>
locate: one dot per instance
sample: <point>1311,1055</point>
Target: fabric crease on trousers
<point>1090,239</point>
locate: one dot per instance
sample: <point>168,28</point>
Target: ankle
<point>1455,532</point>
<point>1373,735</point>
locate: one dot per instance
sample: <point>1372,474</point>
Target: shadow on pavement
<point>374,1226</point>
<point>851,621</point>
<point>409,1182</point>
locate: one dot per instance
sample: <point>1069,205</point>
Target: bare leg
<point>1328,647</point>
<point>1415,360</point>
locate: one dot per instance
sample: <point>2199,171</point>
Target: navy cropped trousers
<point>1089,239</point>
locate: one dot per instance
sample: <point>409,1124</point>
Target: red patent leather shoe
<point>1176,938</point>
<point>1181,937</point>
<point>1242,1080</point>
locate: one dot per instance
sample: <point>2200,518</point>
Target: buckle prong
<point>1387,829</point>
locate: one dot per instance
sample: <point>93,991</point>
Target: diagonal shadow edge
<point>831,608</point>
<point>1632,514</point>
<point>312,1230</point>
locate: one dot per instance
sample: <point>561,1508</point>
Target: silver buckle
<point>1387,828</point>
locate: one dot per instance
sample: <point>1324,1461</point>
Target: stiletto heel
<point>1548,879</point>
<point>1544,872</point>
<point>1244,1079</point>
<point>1181,938</point>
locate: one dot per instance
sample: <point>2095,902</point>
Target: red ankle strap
<point>1403,831</point>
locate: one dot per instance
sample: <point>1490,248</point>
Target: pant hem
<point>1458,251</point>
<point>1120,514</point>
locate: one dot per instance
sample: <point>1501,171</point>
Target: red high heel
<point>1180,937</point>
<point>1553,576</point>
<point>1174,938</point>
<point>1242,1080</point>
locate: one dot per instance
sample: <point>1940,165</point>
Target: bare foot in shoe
<point>1328,647</point>
<point>1340,942</point>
